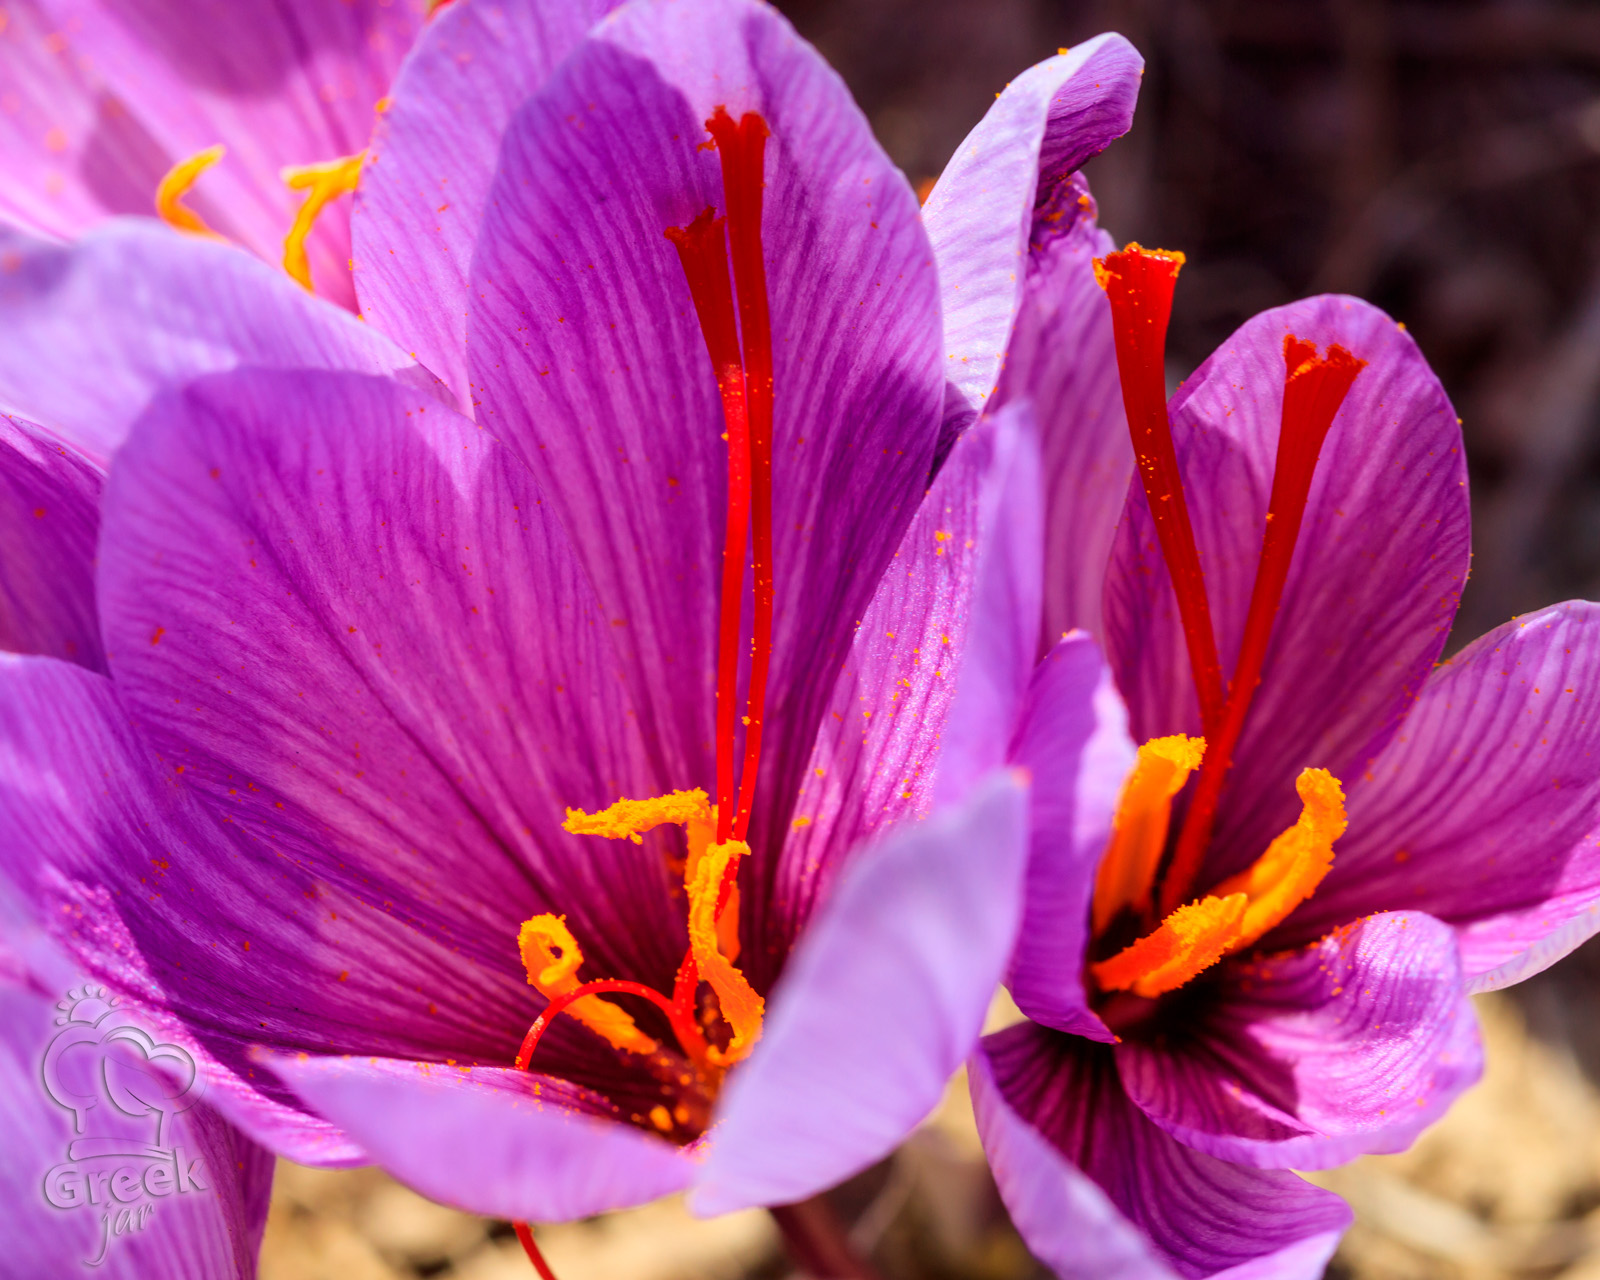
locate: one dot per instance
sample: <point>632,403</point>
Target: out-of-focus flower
<point>379,674</point>
<point>1281,984</point>
<point>240,120</point>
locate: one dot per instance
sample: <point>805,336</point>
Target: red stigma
<point>1139,283</point>
<point>1314,389</point>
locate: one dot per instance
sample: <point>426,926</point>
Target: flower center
<point>1192,935</point>
<point>732,307</point>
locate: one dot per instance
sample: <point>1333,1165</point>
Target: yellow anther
<point>1294,864</point>
<point>172,188</point>
<point>627,819</point>
<point>322,183</point>
<point>1191,939</point>
<point>1139,829</point>
<point>552,957</point>
<point>702,833</point>
<point>742,1007</point>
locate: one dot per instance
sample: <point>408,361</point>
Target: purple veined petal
<point>591,362</point>
<point>1306,1059</point>
<point>1377,570</point>
<point>280,603</point>
<point>874,762</point>
<point>1063,359</point>
<point>127,90</point>
<point>980,216</point>
<point>882,1000</point>
<point>1484,809</point>
<point>494,1141</point>
<point>1001,638</point>
<point>1072,738</point>
<point>427,175</point>
<point>1097,1190</point>
<point>91,332</point>
<point>49,519</point>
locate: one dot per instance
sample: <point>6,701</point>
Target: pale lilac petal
<point>881,1001</point>
<point>997,651</point>
<point>49,519</point>
<point>279,606</point>
<point>144,309</point>
<point>487,1139</point>
<point>591,362</point>
<point>874,762</point>
<point>426,180</point>
<point>1046,123</point>
<point>1306,1059</point>
<point>1484,809</point>
<point>1377,571</point>
<point>109,96</point>
<point>1063,359</point>
<point>1072,738</point>
<point>1098,1190</point>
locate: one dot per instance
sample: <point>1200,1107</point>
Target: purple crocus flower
<point>242,119</point>
<point>366,678</point>
<point>1373,833</point>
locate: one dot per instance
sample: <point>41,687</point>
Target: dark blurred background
<point>1438,157</point>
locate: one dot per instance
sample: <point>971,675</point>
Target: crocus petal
<point>1377,570</point>
<point>879,1004</point>
<point>876,756</point>
<point>1072,738</point>
<point>1483,808</point>
<point>1063,359</point>
<point>487,1140</point>
<point>1098,1190</point>
<point>117,94</point>
<point>591,362</point>
<point>427,175</point>
<point>1306,1059</point>
<point>203,1232</point>
<point>279,606</point>
<point>90,332</point>
<point>49,518</point>
<point>1046,123</point>
<point>997,653</point>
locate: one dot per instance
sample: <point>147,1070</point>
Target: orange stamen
<point>1139,283</point>
<point>1139,828</point>
<point>1190,940</point>
<point>323,184</point>
<point>1314,389</point>
<point>552,958</point>
<point>175,184</point>
<point>627,819</point>
<point>742,1007</point>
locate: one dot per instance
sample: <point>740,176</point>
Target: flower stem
<point>816,1241</point>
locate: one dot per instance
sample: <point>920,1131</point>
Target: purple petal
<point>1001,638</point>
<point>980,216</point>
<point>279,606</point>
<point>1063,359</point>
<point>114,94</point>
<point>1099,1191</point>
<point>1073,740</point>
<point>876,756</point>
<point>488,1140</point>
<point>49,519</point>
<point>426,180</point>
<point>591,362</point>
<point>1377,571</point>
<point>1307,1059</point>
<point>879,1004</point>
<point>90,332</point>
<point>1484,809</point>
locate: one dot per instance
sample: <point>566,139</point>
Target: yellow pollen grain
<point>323,183</point>
<point>661,1118</point>
<point>175,184</point>
<point>629,819</point>
<point>552,958</point>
